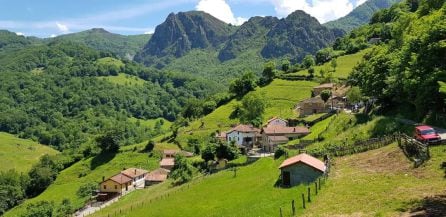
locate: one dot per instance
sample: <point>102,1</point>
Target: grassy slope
<point>381,182</point>
<point>124,79</point>
<point>151,123</point>
<point>20,154</point>
<point>318,128</point>
<point>69,180</point>
<point>282,95</point>
<point>250,193</point>
<point>344,67</point>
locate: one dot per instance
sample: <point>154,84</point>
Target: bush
<point>87,189</point>
<point>181,171</point>
<point>149,146</point>
<point>279,153</point>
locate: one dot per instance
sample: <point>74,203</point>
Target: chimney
<point>135,171</point>
<point>294,129</point>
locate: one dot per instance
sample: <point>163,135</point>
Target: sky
<point>50,18</point>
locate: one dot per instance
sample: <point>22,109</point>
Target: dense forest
<point>408,69</point>
<point>52,94</point>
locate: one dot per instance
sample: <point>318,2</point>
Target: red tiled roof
<point>276,118</point>
<point>133,172</point>
<point>120,179</point>
<point>167,162</point>
<point>157,175</point>
<point>174,152</point>
<point>276,129</point>
<point>278,138</point>
<point>326,85</point>
<point>306,159</point>
<point>244,128</point>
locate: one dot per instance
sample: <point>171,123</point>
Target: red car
<point>426,134</point>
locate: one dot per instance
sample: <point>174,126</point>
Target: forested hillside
<point>102,40</point>
<point>52,93</point>
<point>360,15</point>
<point>408,69</point>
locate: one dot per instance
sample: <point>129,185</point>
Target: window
<point>116,187</point>
<point>105,186</point>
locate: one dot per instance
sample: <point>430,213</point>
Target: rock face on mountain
<point>297,35</point>
<point>264,37</point>
<point>250,35</point>
<point>185,31</point>
<point>360,15</point>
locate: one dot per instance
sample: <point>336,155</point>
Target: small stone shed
<point>302,168</point>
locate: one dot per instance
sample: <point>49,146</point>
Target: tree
<point>285,65</point>
<point>244,84</point>
<point>269,72</point>
<point>39,209</point>
<point>334,64</point>
<point>87,189</point>
<point>149,146</point>
<point>226,151</point>
<point>65,209</point>
<point>182,170</point>
<point>109,142</point>
<point>311,72</point>
<point>354,95</point>
<point>325,95</point>
<point>308,61</point>
<point>252,108</point>
<point>208,153</point>
<point>40,179</point>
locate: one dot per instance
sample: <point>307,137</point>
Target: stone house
<point>302,168</point>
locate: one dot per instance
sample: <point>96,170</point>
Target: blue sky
<point>46,18</point>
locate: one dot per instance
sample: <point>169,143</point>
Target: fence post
<point>315,187</point>
<point>319,183</point>
<point>309,194</point>
<point>303,200</point>
<point>280,208</point>
<point>293,208</point>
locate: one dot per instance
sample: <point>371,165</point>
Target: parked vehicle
<point>426,134</point>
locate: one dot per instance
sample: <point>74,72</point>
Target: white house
<point>137,176</point>
<point>243,135</point>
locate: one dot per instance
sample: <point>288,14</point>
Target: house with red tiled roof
<point>116,185</point>
<point>245,136</point>
<point>167,163</point>
<point>137,176</point>
<point>302,168</point>
<point>277,122</point>
<point>274,135</point>
<point>157,176</point>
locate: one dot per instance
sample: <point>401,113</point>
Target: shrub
<point>86,189</point>
<point>279,152</point>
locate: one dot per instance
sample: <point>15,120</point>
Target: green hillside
<point>360,15</point>
<point>102,40</point>
<point>20,154</point>
<point>383,182</point>
<point>124,79</point>
<point>281,97</point>
<point>89,170</point>
<point>250,193</point>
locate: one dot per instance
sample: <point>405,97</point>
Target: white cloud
<point>360,2</point>
<point>19,33</point>
<point>221,10</point>
<point>53,35</point>
<point>63,28</point>
<point>323,10</point>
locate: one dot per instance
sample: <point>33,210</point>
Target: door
<point>286,178</point>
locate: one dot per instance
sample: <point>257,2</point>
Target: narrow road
<point>440,131</point>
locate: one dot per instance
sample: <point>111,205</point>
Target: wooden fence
<point>413,149</point>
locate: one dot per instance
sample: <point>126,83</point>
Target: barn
<point>302,168</point>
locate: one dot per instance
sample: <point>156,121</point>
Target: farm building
<point>157,176</point>
<point>312,106</point>
<point>274,135</point>
<point>243,135</point>
<point>277,122</point>
<point>137,176</point>
<point>115,185</point>
<point>318,89</point>
<point>167,163</point>
<point>171,153</point>
<point>302,168</point>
